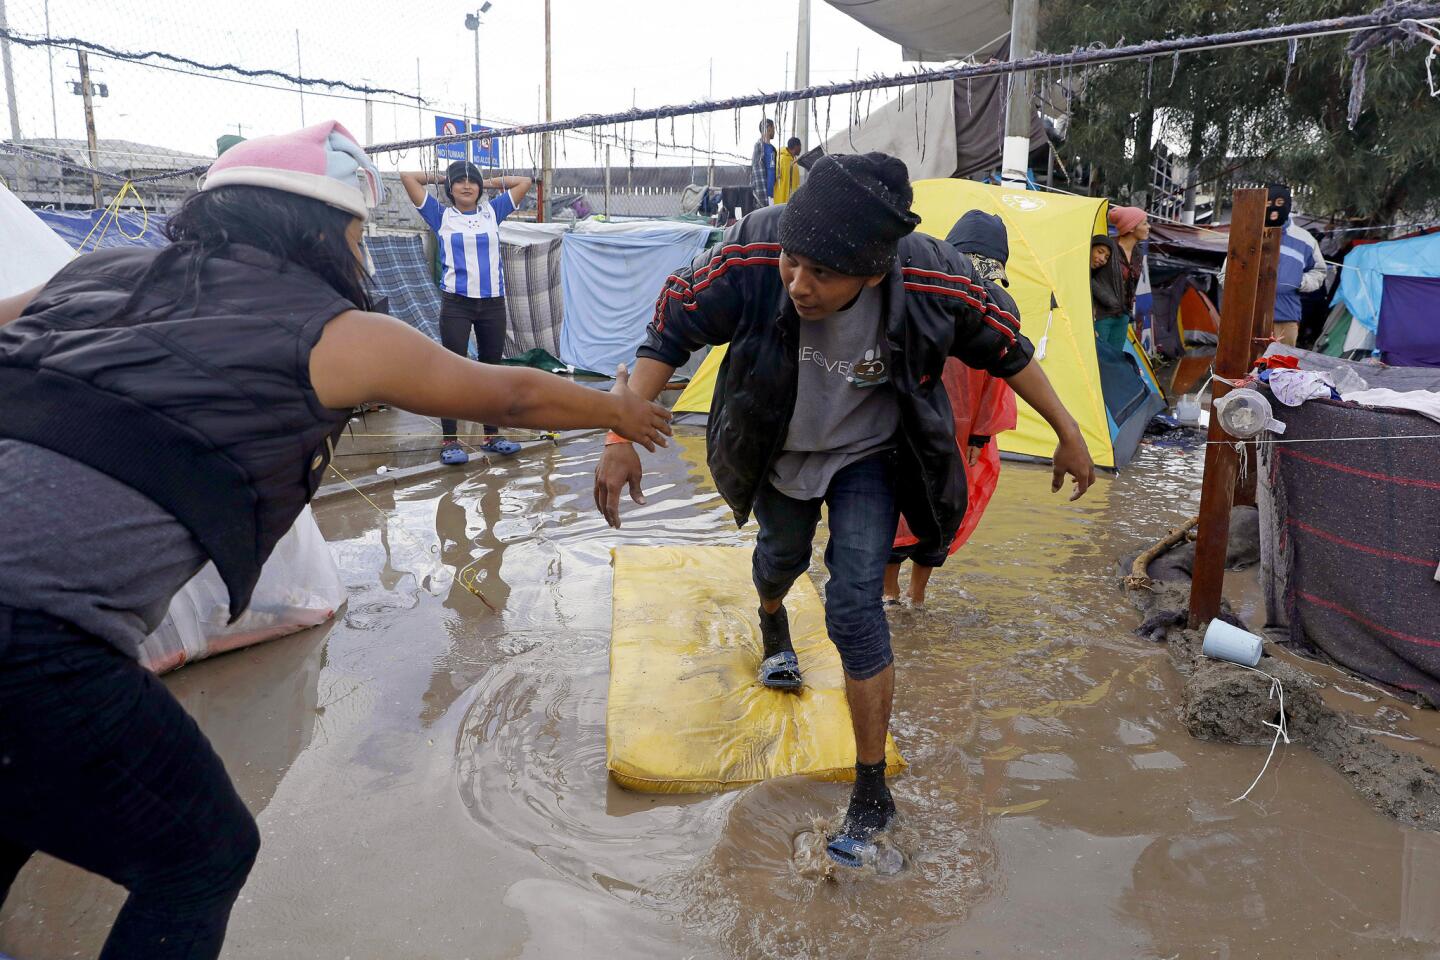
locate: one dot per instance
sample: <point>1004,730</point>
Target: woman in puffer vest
<point>167,407</point>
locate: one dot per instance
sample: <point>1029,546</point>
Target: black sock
<point>775,632</point>
<point>871,807</point>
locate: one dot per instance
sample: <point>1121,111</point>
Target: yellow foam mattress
<point>687,713</point>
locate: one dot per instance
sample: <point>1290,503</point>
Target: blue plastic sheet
<point>610,282</point>
<point>1362,281</point>
<point>127,230</point>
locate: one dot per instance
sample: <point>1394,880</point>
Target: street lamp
<point>472,22</point>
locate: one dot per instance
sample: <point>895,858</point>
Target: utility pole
<point>90,126</point>
<point>369,120</point>
<point>710,127</point>
<point>802,74</point>
<point>607,181</point>
<point>1019,111</point>
<point>545,158</point>
<point>478,114</point>
<point>300,72</point>
<point>50,59</point>
<point>10,100</point>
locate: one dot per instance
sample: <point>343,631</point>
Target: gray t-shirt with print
<point>838,421</point>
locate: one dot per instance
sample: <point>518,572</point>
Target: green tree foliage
<point>1245,113</point>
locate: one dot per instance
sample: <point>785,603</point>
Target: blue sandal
<point>781,672</point>
<point>452,453</point>
<point>501,447</point>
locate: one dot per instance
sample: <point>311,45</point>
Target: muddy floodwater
<point>428,772</point>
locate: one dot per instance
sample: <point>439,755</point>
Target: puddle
<point>429,771</point>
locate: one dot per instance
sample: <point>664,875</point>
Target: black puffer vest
<point>203,404</point>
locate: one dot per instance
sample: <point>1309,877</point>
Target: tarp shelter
<point>942,129</point>
<point>611,275</point>
<point>918,126</point>
<point>405,278</point>
<point>933,29</point>
<point>1049,254</point>
<point>100,230</point>
<point>1348,545</point>
<point>30,252</point>
<point>1365,283</point>
<point>534,296</point>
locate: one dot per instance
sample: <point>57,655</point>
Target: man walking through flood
<point>839,319</point>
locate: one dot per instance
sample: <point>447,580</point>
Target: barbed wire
<point>142,56</point>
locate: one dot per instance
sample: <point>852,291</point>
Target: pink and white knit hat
<point>323,162</point>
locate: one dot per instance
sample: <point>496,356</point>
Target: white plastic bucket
<point>1224,642</point>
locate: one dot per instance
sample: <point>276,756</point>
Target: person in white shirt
<point>472,284</point>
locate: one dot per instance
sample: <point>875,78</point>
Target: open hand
<point>639,420</point>
<point>619,468</point>
<point>1073,457</point>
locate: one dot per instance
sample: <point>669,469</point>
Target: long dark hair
<point>308,233</point>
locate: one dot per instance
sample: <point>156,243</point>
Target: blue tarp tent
<point>611,276</point>
<point>126,230</point>
<point>1362,281</point>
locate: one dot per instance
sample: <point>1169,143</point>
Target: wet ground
<point>429,777</point>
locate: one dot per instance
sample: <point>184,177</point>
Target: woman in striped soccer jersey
<point>472,283</point>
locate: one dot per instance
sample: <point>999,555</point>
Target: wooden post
<point>1232,356</point>
<point>1264,330</point>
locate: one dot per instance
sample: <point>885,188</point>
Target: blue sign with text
<point>486,150</point>
<point>449,127</point>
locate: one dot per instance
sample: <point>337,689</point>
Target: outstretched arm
<point>370,356</point>
<point>11,307</point>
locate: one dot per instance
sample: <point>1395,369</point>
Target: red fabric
<point>982,406</point>
<point>1280,361</point>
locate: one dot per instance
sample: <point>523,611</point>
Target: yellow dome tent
<point>1049,254</point>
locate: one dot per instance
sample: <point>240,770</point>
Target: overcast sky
<point>607,54</point>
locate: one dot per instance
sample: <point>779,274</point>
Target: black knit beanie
<point>850,213</point>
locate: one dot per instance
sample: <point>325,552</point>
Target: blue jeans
<point>863,515</point>
<point>100,766</point>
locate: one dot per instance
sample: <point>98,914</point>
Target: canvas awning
<point>933,29</point>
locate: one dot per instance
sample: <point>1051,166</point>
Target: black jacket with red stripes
<point>934,307</point>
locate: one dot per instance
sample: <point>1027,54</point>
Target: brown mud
<point>428,772</point>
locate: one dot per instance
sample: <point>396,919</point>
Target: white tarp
<point>933,29</point>
<point>299,587</point>
<point>918,126</point>
<point>30,252</point>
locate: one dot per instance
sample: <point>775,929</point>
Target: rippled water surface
<point>429,771</point>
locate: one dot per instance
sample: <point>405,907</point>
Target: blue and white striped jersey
<point>470,245</point>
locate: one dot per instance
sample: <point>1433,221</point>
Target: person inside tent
<point>983,406</point>
<point>787,176</point>
<point>1107,291</point>
<point>1302,266</point>
<point>839,319</point>
<point>1132,227</point>
<point>472,282</point>
<point>178,406</point>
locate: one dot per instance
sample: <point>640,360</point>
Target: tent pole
<point>1264,330</point>
<point>1232,357</point>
